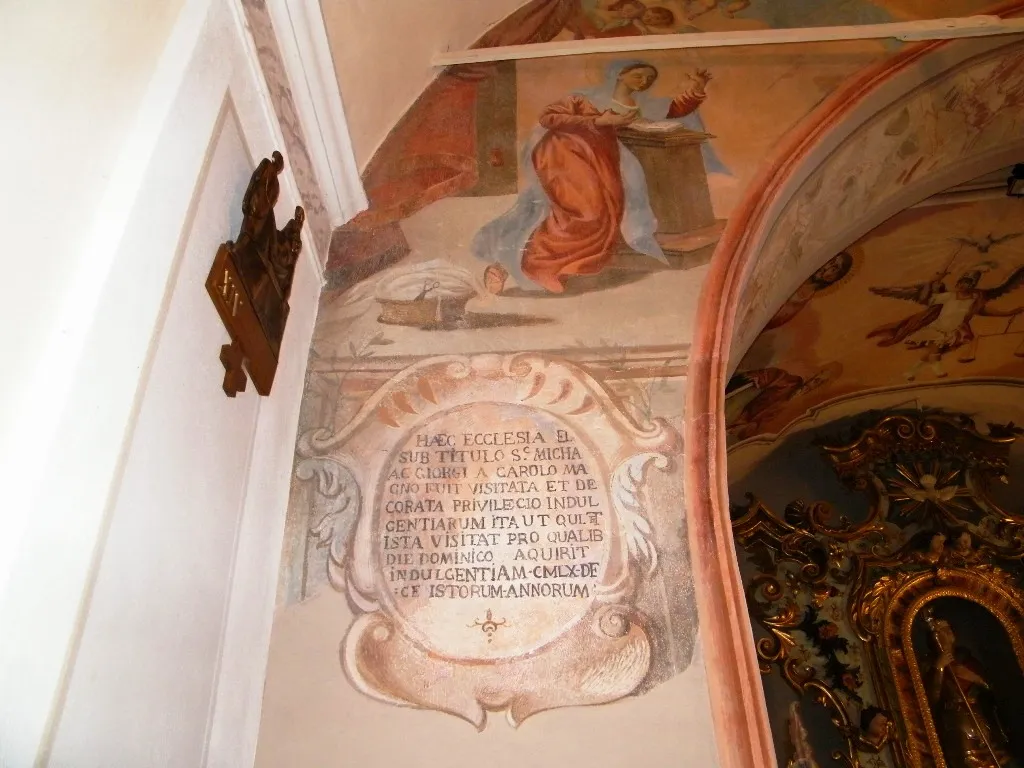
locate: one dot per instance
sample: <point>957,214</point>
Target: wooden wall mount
<point>250,282</point>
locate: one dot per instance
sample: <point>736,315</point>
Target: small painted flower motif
<point>801,655</point>
<point>851,680</point>
<point>828,630</point>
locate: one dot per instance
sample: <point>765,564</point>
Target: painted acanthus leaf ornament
<point>627,480</point>
<point>336,507</point>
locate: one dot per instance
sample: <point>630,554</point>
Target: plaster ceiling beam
<point>907,31</point>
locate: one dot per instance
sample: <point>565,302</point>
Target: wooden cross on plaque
<point>232,358</point>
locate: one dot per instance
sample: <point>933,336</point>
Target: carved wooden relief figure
<point>251,280</point>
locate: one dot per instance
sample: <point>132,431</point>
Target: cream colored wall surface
<point>382,51</point>
<point>145,672</point>
<point>72,77</point>
<point>314,718</point>
<point>141,509</point>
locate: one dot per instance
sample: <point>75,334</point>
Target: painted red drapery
<point>577,163</point>
<point>431,153</point>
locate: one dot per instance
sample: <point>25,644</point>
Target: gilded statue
<point>876,727</point>
<point>968,725</point>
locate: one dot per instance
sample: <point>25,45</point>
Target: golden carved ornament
<point>931,530</point>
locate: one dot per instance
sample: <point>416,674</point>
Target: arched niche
<point>908,598</point>
<point>843,171</point>
<point>791,466</point>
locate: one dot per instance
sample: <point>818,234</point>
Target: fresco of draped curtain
<point>431,153</point>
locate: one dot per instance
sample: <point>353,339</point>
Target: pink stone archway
<point>768,248</point>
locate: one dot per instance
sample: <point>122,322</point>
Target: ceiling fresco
<point>965,121</point>
<point>468,190</point>
<point>478,181</point>
<point>934,294</point>
<point>582,19</point>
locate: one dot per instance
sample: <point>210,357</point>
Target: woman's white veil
<point>651,107</point>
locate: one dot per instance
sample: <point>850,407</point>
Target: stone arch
<point>850,164</point>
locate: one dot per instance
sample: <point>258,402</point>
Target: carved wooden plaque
<point>250,282</point>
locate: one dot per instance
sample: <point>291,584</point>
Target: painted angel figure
<point>945,323</point>
<point>769,389</point>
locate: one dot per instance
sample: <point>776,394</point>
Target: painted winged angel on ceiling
<point>944,325</point>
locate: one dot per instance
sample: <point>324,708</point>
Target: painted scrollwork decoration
<point>336,505</point>
<point>836,599</point>
<point>489,519</point>
<point>627,481</point>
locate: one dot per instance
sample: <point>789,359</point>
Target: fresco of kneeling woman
<point>584,192</point>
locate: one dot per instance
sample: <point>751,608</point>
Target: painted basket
<point>439,312</point>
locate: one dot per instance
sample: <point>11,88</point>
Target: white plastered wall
<point>142,509</point>
<point>73,78</point>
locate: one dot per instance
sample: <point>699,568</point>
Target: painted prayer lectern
<point>677,184</point>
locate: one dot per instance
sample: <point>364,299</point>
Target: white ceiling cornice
<point>306,54</point>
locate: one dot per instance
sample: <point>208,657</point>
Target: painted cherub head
<point>874,724</point>
<point>628,9</point>
<point>937,543</point>
<point>659,17</point>
<point>964,543</point>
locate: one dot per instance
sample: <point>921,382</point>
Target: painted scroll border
<point>605,656</point>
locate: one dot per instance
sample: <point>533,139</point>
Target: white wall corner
<point>302,37</point>
<point>312,251</point>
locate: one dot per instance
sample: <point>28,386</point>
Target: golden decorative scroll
<point>932,531</point>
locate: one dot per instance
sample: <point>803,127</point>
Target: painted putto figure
<point>622,18</point>
<point>584,191</point>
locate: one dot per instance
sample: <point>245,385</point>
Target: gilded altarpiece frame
<point>907,596</point>
<point>825,584</point>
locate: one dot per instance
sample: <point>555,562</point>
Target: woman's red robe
<point>577,163</point>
